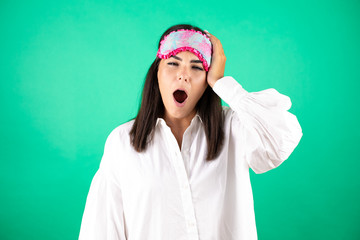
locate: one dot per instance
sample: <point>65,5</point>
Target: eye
<point>198,68</point>
<point>173,63</point>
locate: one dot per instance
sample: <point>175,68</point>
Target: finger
<point>214,40</point>
<point>217,46</point>
<point>209,35</point>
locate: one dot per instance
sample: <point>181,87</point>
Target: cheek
<point>201,81</point>
<point>161,80</point>
<point>164,77</point>
<point>164,87</point>
<point>200,87</point>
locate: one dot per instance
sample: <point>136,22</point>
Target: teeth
<point>180,96</point>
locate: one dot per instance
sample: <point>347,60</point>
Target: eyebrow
<point>192,61</point>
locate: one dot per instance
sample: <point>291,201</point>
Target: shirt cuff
<point>229,90</point>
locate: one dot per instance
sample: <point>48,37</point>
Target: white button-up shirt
<point>165,193</point>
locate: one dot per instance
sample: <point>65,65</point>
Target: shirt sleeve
<point>270,133</point>
<point>103,215</point>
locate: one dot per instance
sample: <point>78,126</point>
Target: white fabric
<point>164,193</point>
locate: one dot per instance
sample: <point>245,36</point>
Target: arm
<point>103,216</point>
<point>270,133</point>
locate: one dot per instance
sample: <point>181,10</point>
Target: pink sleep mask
<point>186,40</point>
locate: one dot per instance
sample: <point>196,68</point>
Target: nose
<point>183,78</point>
<point>183,75</point>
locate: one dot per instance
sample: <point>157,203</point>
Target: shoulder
<point>123,128</point>
<point>228,112</point>
<point>120,134</point>
<point>226,109</point>
<point>117,145</point>
<point>232,120</point>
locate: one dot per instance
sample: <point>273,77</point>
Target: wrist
<point>212,81</point>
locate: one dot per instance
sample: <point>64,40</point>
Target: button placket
<point>186,196</point>
<point>184,184</point>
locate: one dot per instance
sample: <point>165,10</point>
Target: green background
<point>71,71</point>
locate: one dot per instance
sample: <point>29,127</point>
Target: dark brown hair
<point>208,107</point>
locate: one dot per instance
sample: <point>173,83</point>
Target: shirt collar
<point>195,118</point>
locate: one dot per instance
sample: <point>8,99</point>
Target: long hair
<point>208,107</point>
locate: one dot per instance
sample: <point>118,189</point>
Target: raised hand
<point>218,59</point>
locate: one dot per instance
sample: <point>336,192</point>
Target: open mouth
<point>180,96</point>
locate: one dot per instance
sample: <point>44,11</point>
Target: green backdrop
<point>71,71</point>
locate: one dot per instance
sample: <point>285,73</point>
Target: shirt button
<point>191,224</point>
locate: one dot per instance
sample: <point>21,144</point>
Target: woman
<point>180,169</point>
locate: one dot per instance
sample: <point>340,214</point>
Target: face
<point>182,82</point>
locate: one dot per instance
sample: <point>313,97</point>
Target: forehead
<point>187,55</point>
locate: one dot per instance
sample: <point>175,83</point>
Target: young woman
<point>180,169</point>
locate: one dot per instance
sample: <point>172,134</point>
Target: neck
<point>179,125</point>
